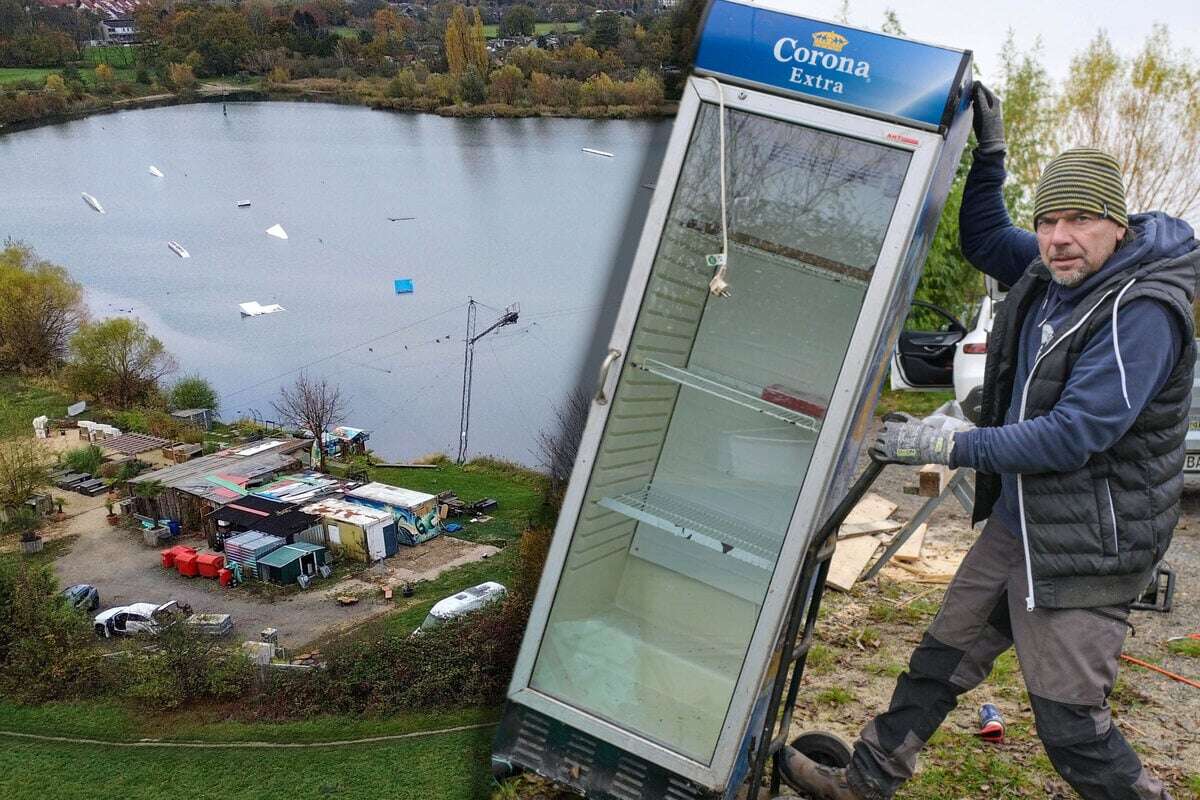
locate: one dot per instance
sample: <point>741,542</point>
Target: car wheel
<point>102,631</point>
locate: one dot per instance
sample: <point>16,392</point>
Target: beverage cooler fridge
<point>806,172</point>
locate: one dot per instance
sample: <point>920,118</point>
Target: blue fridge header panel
<point>833,63</point>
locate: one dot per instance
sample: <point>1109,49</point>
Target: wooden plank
<point>910,551</point>
<point>870,509</point>
<point>849,560</point>
<point>932,479</point>
<point>853,529</point>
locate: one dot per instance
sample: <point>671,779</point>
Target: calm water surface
<point>505,211</point>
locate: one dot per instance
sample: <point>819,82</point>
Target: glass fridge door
<point>713,424</point>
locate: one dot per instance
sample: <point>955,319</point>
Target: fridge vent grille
<point>581,752</point>
<point>628,782</point>
<point>531,738</point>
<point>679,789</point>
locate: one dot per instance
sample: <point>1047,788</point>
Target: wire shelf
<point>726,389</point>
<point>703,526</point>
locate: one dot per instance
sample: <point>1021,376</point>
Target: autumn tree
<point>117,361</point>
<point>181,76</point>
<point>24,468</point>
<point>519,20</point>
<point>105,74</point>
<point>40,309</point>
<point>1145,111</point>
<point>313,404</point>
<point>464,43</point>
<point>506,85</point>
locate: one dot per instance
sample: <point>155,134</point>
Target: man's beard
<point>1073,278</point>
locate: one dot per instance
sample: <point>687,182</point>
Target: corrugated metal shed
<point>391,495</point>
<point>348,512</point>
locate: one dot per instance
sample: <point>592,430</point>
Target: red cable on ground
<point>1179,678</point>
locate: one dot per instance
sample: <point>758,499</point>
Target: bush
<point>184,667</point>
<point>192,391</point>
<point>45,651</point>
<point>83,459</point>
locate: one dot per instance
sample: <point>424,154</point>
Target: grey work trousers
<point>1068,658</point>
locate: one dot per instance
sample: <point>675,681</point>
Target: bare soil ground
<point>866,636</point>
<point>125,570</point>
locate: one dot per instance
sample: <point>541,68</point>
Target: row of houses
<point>267,487</point>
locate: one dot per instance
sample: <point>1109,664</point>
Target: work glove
<point>988,120</point>
<point>904,439</point>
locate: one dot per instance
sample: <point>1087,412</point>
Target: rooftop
<point>224,476</point>
<point>344,511</point>
<point>391,495</point>
<point>130,444</point>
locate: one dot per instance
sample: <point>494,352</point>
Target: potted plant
<point>113,518</point>
<point>30,541</point>
<point>59,516</point>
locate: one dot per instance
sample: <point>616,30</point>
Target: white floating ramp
<point>178,249</point>
<point>243,203</point>
<point>155,171</point>
<point>93,202</point>
<point>597,152</point>
<point>277,231</point>
<point>253,309</point>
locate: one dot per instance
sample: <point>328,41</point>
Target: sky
<point>1064,26</point>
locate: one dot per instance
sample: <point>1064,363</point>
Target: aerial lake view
<point>504,211</point>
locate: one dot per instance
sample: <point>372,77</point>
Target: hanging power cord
<point>719,286</point>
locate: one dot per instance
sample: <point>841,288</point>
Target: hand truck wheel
<point>827,749</point>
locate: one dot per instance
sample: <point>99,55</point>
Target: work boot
<point>814,780</point>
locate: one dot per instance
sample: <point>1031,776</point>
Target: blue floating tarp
<point>404,285</point>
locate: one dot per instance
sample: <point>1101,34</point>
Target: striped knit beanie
<point>1082,179</point>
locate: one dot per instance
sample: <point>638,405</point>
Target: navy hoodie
<point>1120,369</point>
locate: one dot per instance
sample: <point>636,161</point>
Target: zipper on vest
<point>1113,513</point>
<point>1042,353</point>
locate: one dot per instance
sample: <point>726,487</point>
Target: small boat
<point>243,204</point>
<point>597,152</point>
<point>93,202</point>
<point>277,231</point>
<point>178,250</point>
<point>253,309</point>
<point>155,171</point>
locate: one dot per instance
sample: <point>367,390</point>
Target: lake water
<point>505,211</point>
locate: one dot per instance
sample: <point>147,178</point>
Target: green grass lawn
<point>517,490</point>
<point>345,32</point>
<point>14,74</point>
<point>540,28</point>
<point>20,402</point>
<point>111,54</point>
<point>450,766</point>
<point>38,74</point>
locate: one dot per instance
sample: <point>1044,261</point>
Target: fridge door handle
<point>606,365</point>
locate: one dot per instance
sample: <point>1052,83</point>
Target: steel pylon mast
<point>464,418</point>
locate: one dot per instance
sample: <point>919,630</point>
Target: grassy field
<point>14,74</point>
<point>450,766</point>
<point>38,74</point>
<point>540,28</point>
<point>21,401</point>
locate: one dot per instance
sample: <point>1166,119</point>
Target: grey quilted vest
<point>1094,535</point>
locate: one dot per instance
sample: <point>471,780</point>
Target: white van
<point>464,602</point>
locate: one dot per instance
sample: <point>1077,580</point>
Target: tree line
<point>47,332</point>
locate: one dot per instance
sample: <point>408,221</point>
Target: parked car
<point>464,602</point>
<point>144,618</point>
<point>947,354</point>
<point>82,596</point>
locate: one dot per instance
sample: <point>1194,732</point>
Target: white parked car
<point>947,354</point>
<point>464,602</point>
<point>145,618</point>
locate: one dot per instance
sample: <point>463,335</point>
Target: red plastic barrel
<point>225,576</point>
<point>208,564</point>
<point>168,557</point>
<point>186,564</point>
